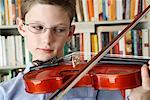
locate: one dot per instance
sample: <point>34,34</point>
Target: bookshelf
<point>82,27</point>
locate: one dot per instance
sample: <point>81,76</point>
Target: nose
<point>48,36</point>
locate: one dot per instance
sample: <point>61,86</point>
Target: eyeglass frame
<point>45,29</point>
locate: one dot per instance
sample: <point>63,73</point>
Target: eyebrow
<point>61,24</point>
<point>36,21</point>
<point>56,25</point>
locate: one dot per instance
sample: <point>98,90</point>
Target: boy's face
<point>46,43</point>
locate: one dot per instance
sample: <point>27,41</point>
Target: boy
<point>46,25</point>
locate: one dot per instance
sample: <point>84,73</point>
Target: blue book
<point>134,41</point>
<point>3,19</point>
<point>104,9</point>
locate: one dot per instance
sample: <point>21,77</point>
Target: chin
<point>43,58</point>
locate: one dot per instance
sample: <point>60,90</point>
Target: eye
<point>37,27</point>
<point>59,30</point>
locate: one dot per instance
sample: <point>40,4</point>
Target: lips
<point>45,50</point>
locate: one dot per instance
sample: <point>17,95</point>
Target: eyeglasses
<point>39,28</point>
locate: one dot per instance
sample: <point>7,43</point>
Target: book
<point>135,38</point>
<point>112,10</point>
<point>146,3</point>
<point>94,43</point>
<point>85,10</point>
<point>19,50</point>
<point>132,8</point>
<point>82,43</point>
<point>128,43</point>
<point>96,4</point>
<point>79,10</point>
<point>6,12</point>
<point>145,43</point>
<point>99,35</point>
<point>87,46</point>
<point>1,53</point>
<point>19,8</point>
<point>122,45</point>
<point>3,18</point>
<point>90,7</point>
<point>116,47</point>
<point>4,51</point>
<point>0,12</point>
<point>127,9</point>
<point>119,9</point>
<point>10,45</point>
<point>105,9</point>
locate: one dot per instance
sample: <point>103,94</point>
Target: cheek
<point>32,42</point>
<point>60,43</point>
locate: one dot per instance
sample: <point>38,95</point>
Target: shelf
<point>83,27</point>
<point>8,30</point>
<point>105,26</point>
<point>8,27</point>
<point>120,22</point>
<point>11,67</point>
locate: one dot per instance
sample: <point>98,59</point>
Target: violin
<point>101,76</point>
<point>61,78</point>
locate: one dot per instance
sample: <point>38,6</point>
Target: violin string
<point>111,59</point>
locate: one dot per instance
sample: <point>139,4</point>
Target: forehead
<point>47,14</point>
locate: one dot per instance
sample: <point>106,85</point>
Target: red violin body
<point>102,76</point>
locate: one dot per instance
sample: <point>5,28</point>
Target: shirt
<point>14,89</point>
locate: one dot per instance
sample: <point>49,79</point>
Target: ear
<point>71,32</point>
<point>20,26</point>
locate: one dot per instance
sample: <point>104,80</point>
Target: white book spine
<point>11,50</point>
<point>1,55</point>
<point>85,10</point>
<point>0,12</point>
<point>4,51</point>
<point>127,9</point>
<point>136,7</point>
<point>96,10</point>
<point>145,42</point>
<point>99,41</point>
<point>19,51</point>
<point>122,45</point>
<point>119,9</point>
<point>87,46</point>
<point>147,4</point>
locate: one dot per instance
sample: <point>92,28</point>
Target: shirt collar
<point>27,68</point>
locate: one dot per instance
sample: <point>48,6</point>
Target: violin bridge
<point>75,60</point>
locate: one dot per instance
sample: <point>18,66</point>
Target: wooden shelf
<point>11,67</point>
<point>8,27</point>
<point>105,26</point>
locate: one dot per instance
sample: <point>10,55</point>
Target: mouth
<point>45,50</point>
